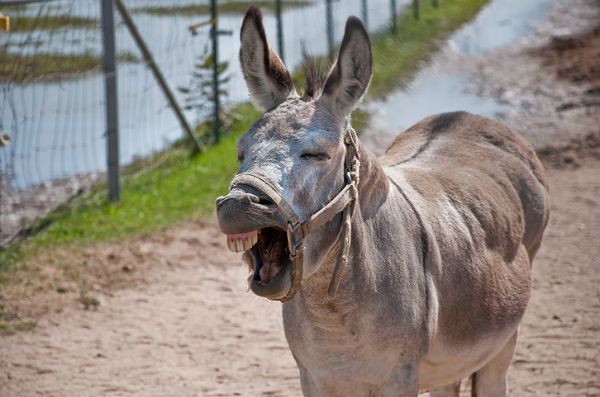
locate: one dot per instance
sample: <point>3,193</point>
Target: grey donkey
<point>399,274</point>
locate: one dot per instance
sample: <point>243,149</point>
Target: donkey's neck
<point>384,230</point>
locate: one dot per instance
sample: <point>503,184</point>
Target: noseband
<point>297,229</point>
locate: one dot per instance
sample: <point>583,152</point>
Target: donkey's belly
<point>447,363</point>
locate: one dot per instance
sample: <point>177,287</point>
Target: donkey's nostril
<point>221,200</point>
<point>264,201</point>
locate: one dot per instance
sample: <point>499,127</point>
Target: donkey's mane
<point>315,77</point>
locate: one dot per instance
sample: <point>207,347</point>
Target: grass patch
<point>11,323</point>
<point>229,7</point>
<point>16,68</point>
<point>20,24</point>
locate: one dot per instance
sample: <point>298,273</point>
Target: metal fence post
<point>139,41</point>
<point>365,13</point>
<point>214,35</point>
<point>394,26</point>
<point>330,45</point>
<point>416,9</point>
<point>112,116</point>
<point>279,30</point>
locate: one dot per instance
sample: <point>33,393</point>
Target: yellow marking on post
<point>4,22</point>
<point>196,26</point>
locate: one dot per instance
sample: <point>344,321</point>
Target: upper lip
<point>241,212</point>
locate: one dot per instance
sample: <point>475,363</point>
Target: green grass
<point>16,68</point>
<point>229,7</point>
<point>19,24</point>
<point>179,186</point>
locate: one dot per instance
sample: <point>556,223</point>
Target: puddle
<point>501,23</point>
<point>437,94</point>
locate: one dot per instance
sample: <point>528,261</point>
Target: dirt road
<point>185,324</point>
<point>192,329</point>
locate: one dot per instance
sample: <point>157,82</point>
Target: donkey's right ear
<point>268,80</point>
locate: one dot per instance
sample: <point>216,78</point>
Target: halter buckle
<point>293,246</point>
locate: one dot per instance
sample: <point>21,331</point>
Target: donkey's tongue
<point>272,254</point>
<point>268,271</point>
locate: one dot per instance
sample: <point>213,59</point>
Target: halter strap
<point>297,230</point>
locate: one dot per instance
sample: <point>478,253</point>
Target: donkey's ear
<point>267,78</point>
<point>351,74</point>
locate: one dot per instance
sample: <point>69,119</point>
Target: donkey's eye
<point>241,157</point>
<point>315,156</point>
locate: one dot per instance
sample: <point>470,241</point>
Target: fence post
<point>394,26</point>
<point>330,45</point>
<point>416,9</point>
<point>110,84</point>
<point>214,35</point>
<point>279,30</point>
<point>139,41</point>
<point>365,13</point>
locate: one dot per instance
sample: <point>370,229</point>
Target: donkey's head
<point>292,161</point>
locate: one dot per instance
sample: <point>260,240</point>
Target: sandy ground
<point>191,328</point>
<point>179,321</point>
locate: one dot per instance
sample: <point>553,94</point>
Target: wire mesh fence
<point>52,98</point>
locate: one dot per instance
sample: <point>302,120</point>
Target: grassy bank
<point>16,68</point>
<point>20,24</point>
<point>178,186</point>
<point>229,7</point>
<point>397,57</point>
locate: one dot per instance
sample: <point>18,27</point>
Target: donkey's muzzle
<point>242,211</point>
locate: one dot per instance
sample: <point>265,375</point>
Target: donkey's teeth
<point>239,245</point>
<point>242,242</point>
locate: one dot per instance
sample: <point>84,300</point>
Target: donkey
<point>399,274</point>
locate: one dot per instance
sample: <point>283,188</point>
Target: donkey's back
<point>481,195</point>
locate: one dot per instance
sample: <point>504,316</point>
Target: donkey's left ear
<point>350,76</point>
<point>268,80</point>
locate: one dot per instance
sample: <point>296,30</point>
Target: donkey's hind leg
<point>490,380</point>
<point>452,390</point>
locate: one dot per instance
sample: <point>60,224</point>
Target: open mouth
<point>269,250</point>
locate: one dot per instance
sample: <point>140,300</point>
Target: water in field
<point>436,90</point>
<point>57,128</point>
